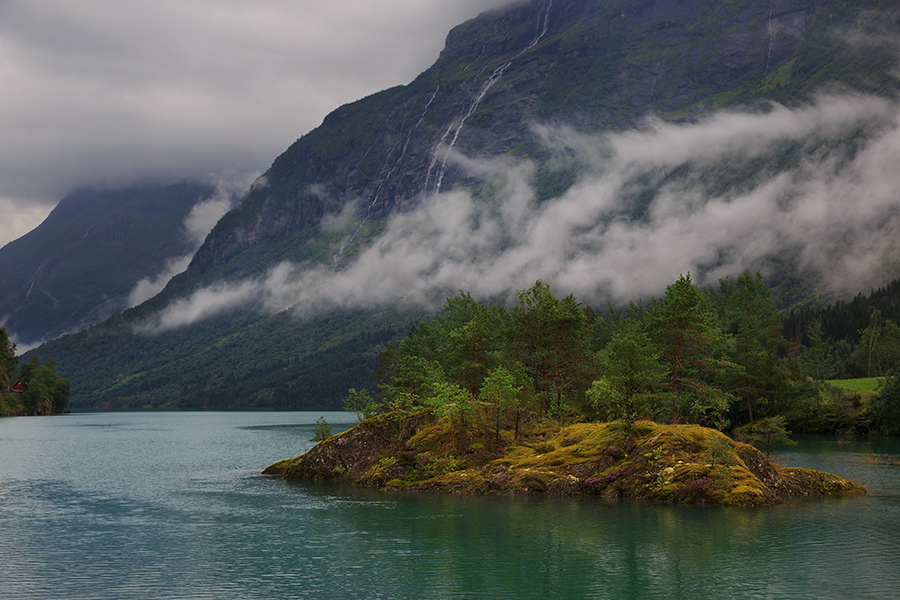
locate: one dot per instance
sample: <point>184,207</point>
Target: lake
<point>171,505</point>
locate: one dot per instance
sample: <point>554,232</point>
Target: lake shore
<point>659,463</point>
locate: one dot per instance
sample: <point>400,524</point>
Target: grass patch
<point>863,385</point>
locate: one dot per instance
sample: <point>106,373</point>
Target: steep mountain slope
<point>593,65</point>
<point>80,265</point>
<point>606,145</point>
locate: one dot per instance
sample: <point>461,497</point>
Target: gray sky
<point>114,91</point>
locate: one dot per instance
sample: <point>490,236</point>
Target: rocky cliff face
<point>589,63</point>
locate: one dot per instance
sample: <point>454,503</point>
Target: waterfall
<point>368,212</point>
<point>457,125</point>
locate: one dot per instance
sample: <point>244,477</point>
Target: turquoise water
<point>171,505</point>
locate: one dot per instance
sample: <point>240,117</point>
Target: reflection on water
<point>172,506</point>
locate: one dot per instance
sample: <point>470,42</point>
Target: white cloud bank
<point>197,225</point>
<point>823,188</point>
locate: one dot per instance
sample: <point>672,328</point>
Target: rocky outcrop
<point>349,455</point>
<point>660,463</point>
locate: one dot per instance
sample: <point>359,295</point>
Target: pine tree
<point>691,346</point>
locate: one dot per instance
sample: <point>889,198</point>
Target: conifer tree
<point>691,346</point>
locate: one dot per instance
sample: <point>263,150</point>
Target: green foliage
<point>573,364</point>
<point>242,360</point>
<point>747,315</point>
<point>886,405</point>
<point>720,451</point>
<point>551,342</point>
<point>766,432</point>
<point>322,430</point>
<point>473,332</point>
<point>8,360</point>
<point>878,351</point>
<point>692,348</point>
<point>609,403</point>
<point>451,400</point>
<point>361,403</point>
<point>632,386</point>
<point>45,391</point>
<point>502,389</point>
<point>818,358</point>
<point>830,409</point>
<point>844,321</point>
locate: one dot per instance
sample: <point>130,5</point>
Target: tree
<point>45,390</point>
<point>473,339</point>
<point>631,387</point>
<point>552,342</point>
<point>817,359</point>
<point>766,432</point>
<point>886,404</point>
<point>878,351</point>
<point>501,392</point>
<point>322,430</point>
<point>8,360</point>
<point>691,346</point>
<point>748,317</point>
<point>361,403</point>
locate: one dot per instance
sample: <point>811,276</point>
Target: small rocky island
<point>660,463</point>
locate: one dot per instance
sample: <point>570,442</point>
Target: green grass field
<point>864,385</point>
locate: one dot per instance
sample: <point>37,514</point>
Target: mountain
<point>604,146</point>
<point>80,266</point>
<point>592,65</point>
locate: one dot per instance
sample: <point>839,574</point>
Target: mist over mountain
<point>605,147</point>
<point>101,251</point>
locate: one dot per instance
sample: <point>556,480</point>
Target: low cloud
<point>197,225</point>
<point>815,187</point>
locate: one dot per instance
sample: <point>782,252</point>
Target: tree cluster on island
<point>714,357</point>
<point>33,388</point>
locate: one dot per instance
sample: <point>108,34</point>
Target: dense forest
<point>717,357</point>
<point>861,334</point>
<point>32,388</point>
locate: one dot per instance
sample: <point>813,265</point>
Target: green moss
<point>278,468</point>
<point>660,463</point>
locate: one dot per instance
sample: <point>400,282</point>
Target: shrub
<point>322,431</point>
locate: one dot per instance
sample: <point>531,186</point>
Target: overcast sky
<point>113,91</point>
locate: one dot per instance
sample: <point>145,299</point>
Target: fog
<point>199,222</point>
<point>815,188</point>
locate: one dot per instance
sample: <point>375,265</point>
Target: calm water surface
<point>171,505</point>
